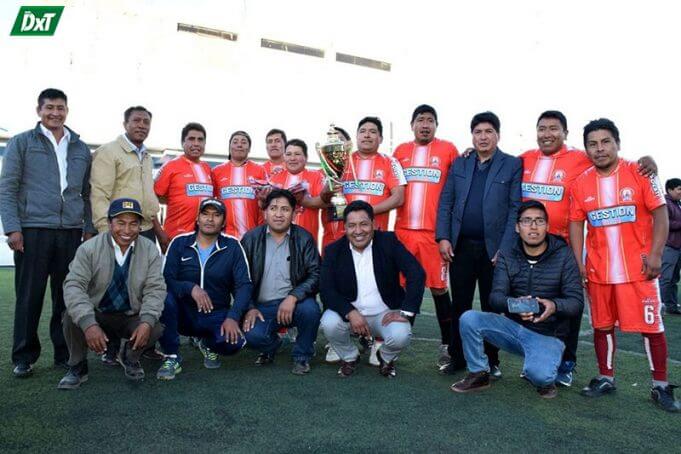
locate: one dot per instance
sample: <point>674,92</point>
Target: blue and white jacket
<point>224,276</point>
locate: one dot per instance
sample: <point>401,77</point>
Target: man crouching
<point>538,271</point>
<point>114,288</point>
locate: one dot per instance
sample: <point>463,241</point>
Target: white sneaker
<point>331,355</point>
<point>373,359</point>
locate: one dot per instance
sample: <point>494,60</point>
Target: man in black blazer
<point>476,218</point>
<point>360,287</point>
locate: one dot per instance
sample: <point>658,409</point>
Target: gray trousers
<point>114,325</point>
<point>669,278</point>
<point>396,335</point>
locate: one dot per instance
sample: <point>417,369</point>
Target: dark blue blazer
<point>338,282</point>
<point>500,201</point>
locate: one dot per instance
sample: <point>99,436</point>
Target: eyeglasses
<point>526,222</point>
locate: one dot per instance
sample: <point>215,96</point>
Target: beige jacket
<point>90,275</point>
<point>117,172</point>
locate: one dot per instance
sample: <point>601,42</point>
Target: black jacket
<point>304,260</point>
<point>338,287</point>
<point>555,277</point>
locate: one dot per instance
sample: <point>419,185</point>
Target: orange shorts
<point>422,245</point>
<point>633,306</point>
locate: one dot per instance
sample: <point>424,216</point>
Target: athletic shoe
<point>331,355</point>
<point>153,354</point>
<point>22,370</point>
<point>598,387</point>
<point>672,310</point>
<point>474,381</point>
<point>664,398</point>
<point>387,369</point>
<point>132,368</point>
<point>194,341</point>
<point>565,374</point>
<point>444,357</point>
<point>264,359</point>
<point>169,368</point>
<point>373,360</point>
<point>211,360</point>
<point>452,368</point>
<point>365,344</point>
<point>301,368</point>
<point>548,392</point>
<point>74,377</point>
<point>495,373</point>
<point>347,368</point>
<point>109,358</point>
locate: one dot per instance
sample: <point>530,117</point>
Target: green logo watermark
<point>37,21</point>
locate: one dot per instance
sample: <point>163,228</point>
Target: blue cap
<point>124,205</point>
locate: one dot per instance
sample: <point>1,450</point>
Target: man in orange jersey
<point>426,161</point>
<point>548,174</point>
<point>235,184</point>
<point>306,185</point>
<point>380,180</point>
<point>184,182</point>
<point>627,230</point>
<point>275,143</point>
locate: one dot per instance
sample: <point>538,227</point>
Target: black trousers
<point>470,265</point>
<point>47,254</point>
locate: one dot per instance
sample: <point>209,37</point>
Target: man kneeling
<point>203,270</point>
<point>114,289</point>
<point>538,269</point>
<point>360,286</point>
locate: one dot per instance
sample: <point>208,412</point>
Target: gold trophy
<point>334,156</point>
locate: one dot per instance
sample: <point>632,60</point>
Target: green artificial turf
<point>244,408</point>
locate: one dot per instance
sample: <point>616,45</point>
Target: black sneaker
<point>452,368</point>
<point>22,370</point>
<point>131,366</point>
<point>74,377</point>
<point>495,372</point>
<point>673,310</point>
<point>385,368</point>
<point>348,368</point>
<point>664,398</point>
<point>598,387</point>
<point>264,359</point>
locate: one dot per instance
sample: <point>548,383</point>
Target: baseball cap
<point>212,202</point>
<point>124,205</point>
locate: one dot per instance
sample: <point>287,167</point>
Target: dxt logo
<point>37,21</point>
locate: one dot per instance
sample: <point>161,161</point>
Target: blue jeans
<point>263,336</point>
<point>182,317</point>
<point>542,353</point>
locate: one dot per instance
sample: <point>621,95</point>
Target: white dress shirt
<point>60,149</point>
<point>118,253</point>
<point>369,301</point>
<point>138,151</point>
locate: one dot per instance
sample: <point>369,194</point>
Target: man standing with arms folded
<point>114,289</point>
<point>45,211</point>
<point>671,259</point>
<point>184,182</point>
<point>426,162</point>
<point>476,218</point>
<point>235,184</point>
<point>204,270</point>
<point>284,264</point>
<point>124,168</point>
<point>627,229</point>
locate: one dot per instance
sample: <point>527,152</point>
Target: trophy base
<point>335,213</point>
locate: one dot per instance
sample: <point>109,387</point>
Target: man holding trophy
<point>368,175</point>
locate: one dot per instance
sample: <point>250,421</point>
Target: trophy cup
<point>334,156</point>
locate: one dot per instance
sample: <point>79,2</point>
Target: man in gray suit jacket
<point>476,218</point>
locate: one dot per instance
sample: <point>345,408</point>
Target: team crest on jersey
<point>435,161</point>
<point>379,174</point>
<point>626,194</point>
<point>559,175</point>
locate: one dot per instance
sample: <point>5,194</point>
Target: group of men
<point>242,257</point>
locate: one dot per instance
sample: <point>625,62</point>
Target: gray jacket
<point>30,192</point>
<point>91,271</point>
